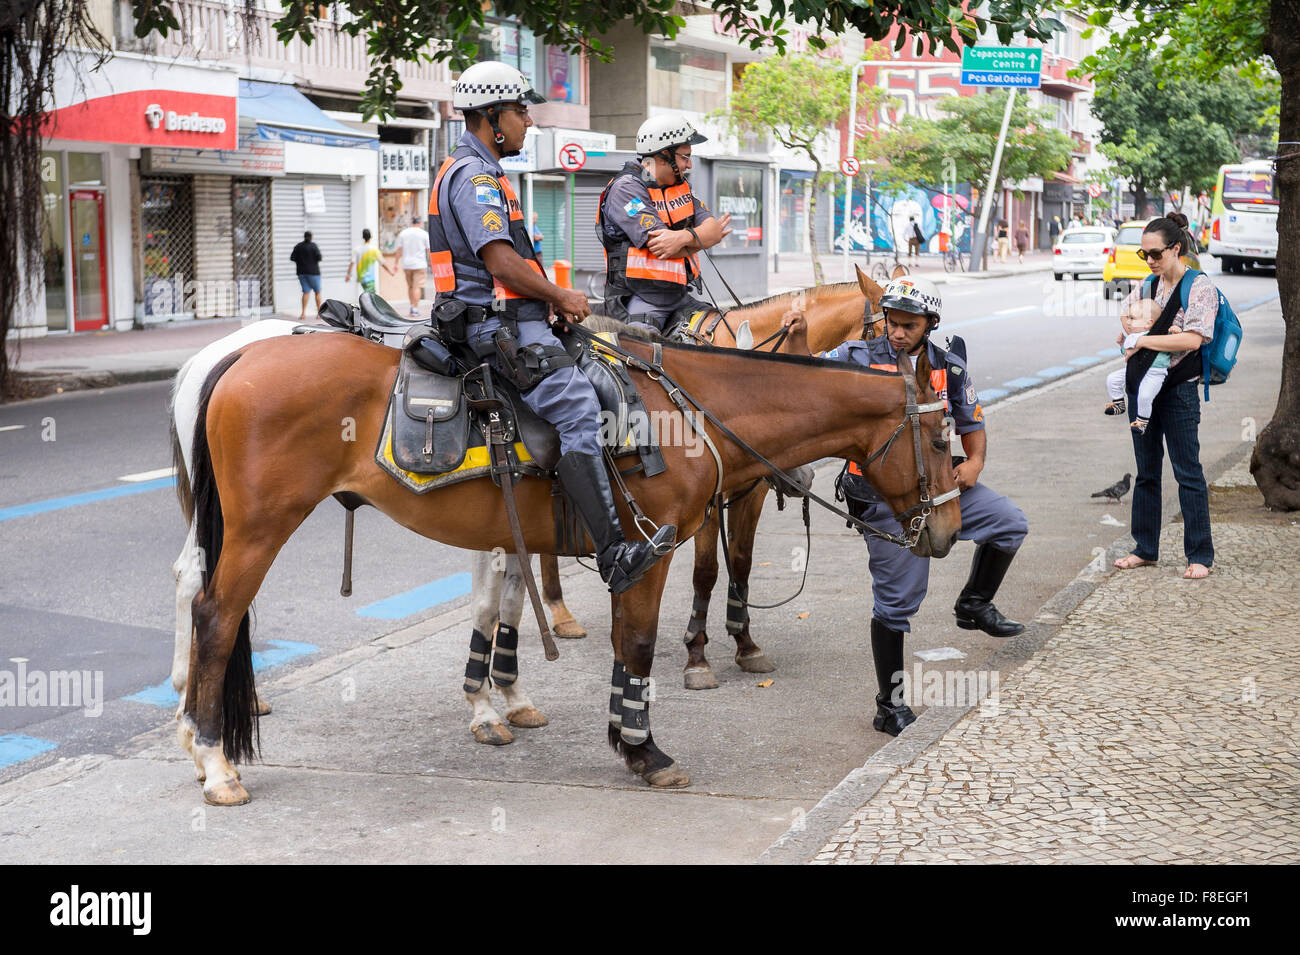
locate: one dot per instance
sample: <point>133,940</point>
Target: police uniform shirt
<point>479,214</point>
<point>631,211</point>
<point>954,387</point>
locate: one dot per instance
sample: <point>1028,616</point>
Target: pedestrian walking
<point>915,238</point>
<point>366,262</point>
<point>1022,241</point>
<point>413,248</point>
<point>1004,240</point>
<point>306,259</point>
<point>1176,410</point>
<point>537,238</point>
<point>1054,229</point>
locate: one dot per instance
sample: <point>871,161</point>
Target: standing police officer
<point>651,225</point>
<point>899,578</point>
<point>495,297</point>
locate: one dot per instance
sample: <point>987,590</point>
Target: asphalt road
<point>87,581</point>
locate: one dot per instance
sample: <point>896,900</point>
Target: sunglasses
<point>1146,256</point>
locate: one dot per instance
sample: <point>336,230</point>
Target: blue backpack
<point>1219,355</point>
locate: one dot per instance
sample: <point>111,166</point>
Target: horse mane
<point>795,293</point>
<point>778,357</point>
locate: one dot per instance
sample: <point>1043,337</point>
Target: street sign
<point>850,166</point>
<point>1094,189</point>
<point>1001,66</point>
<point>572,157</point>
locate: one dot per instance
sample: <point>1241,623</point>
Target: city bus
<point>1243,216</point>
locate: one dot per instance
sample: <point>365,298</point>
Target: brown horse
<point>271,443</point>
<point>834,314</point>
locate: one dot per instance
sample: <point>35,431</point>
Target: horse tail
<point>184,491</point>
<point>240,734</point>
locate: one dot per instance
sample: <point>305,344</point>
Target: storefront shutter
<point>332,233</point>
<point>547,197</point>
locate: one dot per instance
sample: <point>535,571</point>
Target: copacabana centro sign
<point>1002,66</point>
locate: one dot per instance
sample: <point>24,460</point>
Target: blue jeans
<point>1175,416</point>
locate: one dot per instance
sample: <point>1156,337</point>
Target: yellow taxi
<point>1124,268</point>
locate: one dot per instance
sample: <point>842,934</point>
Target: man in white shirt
<point>413,246</point>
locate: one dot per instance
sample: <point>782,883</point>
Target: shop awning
<point>1066,177</point>
<point>281,113</point>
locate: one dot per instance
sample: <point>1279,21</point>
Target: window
<point>554,73</point>
<point>686,79</point>
<point>740,193</point>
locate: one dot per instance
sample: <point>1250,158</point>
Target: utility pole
<point>981,236</point>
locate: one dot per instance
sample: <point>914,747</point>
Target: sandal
<point>1131,561</point>
<point>1188,575</point>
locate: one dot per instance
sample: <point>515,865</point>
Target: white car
<point>1082,250</point>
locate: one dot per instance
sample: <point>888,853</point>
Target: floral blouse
<point>1202,306</point>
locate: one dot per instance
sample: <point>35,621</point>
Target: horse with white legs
<point>266,452</point>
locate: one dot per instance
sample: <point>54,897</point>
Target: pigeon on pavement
<point>1117,490</point>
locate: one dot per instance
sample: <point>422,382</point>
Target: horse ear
<point>923,369</point>
<point>870,289</point>
<point>899,272</point>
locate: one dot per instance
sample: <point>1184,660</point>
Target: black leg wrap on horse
<point>699,617</point>
<point>737,612</point>
<point>892,714</point>
<point>635,728</point>
<point>505,662</point>
<point>616,697</point>
<point>974,608</point>
<point>476,669</point>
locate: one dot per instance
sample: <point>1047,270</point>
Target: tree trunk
<point>1139,199</point>
<point>1275,462</point>
<point>818,277</point>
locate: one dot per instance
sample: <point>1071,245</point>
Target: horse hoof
<point>227,793</point>
<point>263,707</point>
<point>670,777</point>
<point>699,678</point>
<point>569,629</point>
<point>529,717</point>
<point>492,734</point>
<point>756,662</point>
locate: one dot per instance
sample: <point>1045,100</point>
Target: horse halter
<point>920,511</point>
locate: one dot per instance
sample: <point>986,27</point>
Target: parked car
<point>1081,250</point>
<point>1123,267</point>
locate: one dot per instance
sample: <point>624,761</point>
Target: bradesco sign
<point>1002,66</point>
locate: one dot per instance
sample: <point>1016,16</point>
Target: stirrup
<point>634,558</point>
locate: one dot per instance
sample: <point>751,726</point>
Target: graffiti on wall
<point>892,215</point>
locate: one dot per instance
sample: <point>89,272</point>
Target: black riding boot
<point>621,564</point>
<point>887,652</point>
<point>974,608</point>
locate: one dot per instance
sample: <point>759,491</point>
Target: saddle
<point>438,420</point>
<point>371,318</point>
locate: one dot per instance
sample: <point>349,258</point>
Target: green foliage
<point>1177,132</point>
<point>916,150</point>
<point>447,30</point>
<point>795,98</point>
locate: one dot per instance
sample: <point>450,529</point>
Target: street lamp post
<point>848,180</point>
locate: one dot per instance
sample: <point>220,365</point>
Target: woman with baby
<point>1161,342</point>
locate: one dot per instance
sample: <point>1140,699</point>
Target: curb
<point>42,384</point>
<point>800,844</point>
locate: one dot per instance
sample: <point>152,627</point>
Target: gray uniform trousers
<point>899,579</point>
<point>565,397</point>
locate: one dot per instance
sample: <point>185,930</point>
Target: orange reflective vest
<point>452,272</point>
<point>637,270</point>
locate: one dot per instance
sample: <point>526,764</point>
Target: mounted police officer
<point>898,577</point>
<point>495,298</point>
<point>651,225</point>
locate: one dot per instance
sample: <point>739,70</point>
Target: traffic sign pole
<point>572,158</point>
<point>982,253</point>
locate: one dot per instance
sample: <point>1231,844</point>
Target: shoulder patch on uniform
<point>833,353</point>
<point>483,179</point>
<point>648,221</point>
<point>954,369</point>
<point>492,222</point>
<point>635,206</point>
<point>970,393</point>
<point>487,196</point>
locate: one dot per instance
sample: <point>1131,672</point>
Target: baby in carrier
<point>1137,320</point>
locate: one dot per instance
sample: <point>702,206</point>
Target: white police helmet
<point>910,293</point>
<point>492,83</point>
<point>664,132</point>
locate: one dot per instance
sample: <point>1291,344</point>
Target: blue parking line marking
<point>1022,382</point>
<point>1084,360</point>
<point>163,695</point>
<point>1110,352</point>
<point>992,394</point>
<point>89,497</point>
<point>16,748</point>
<point>1056,371</point>
<point>420,598</point>
<point>1256,301</point>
